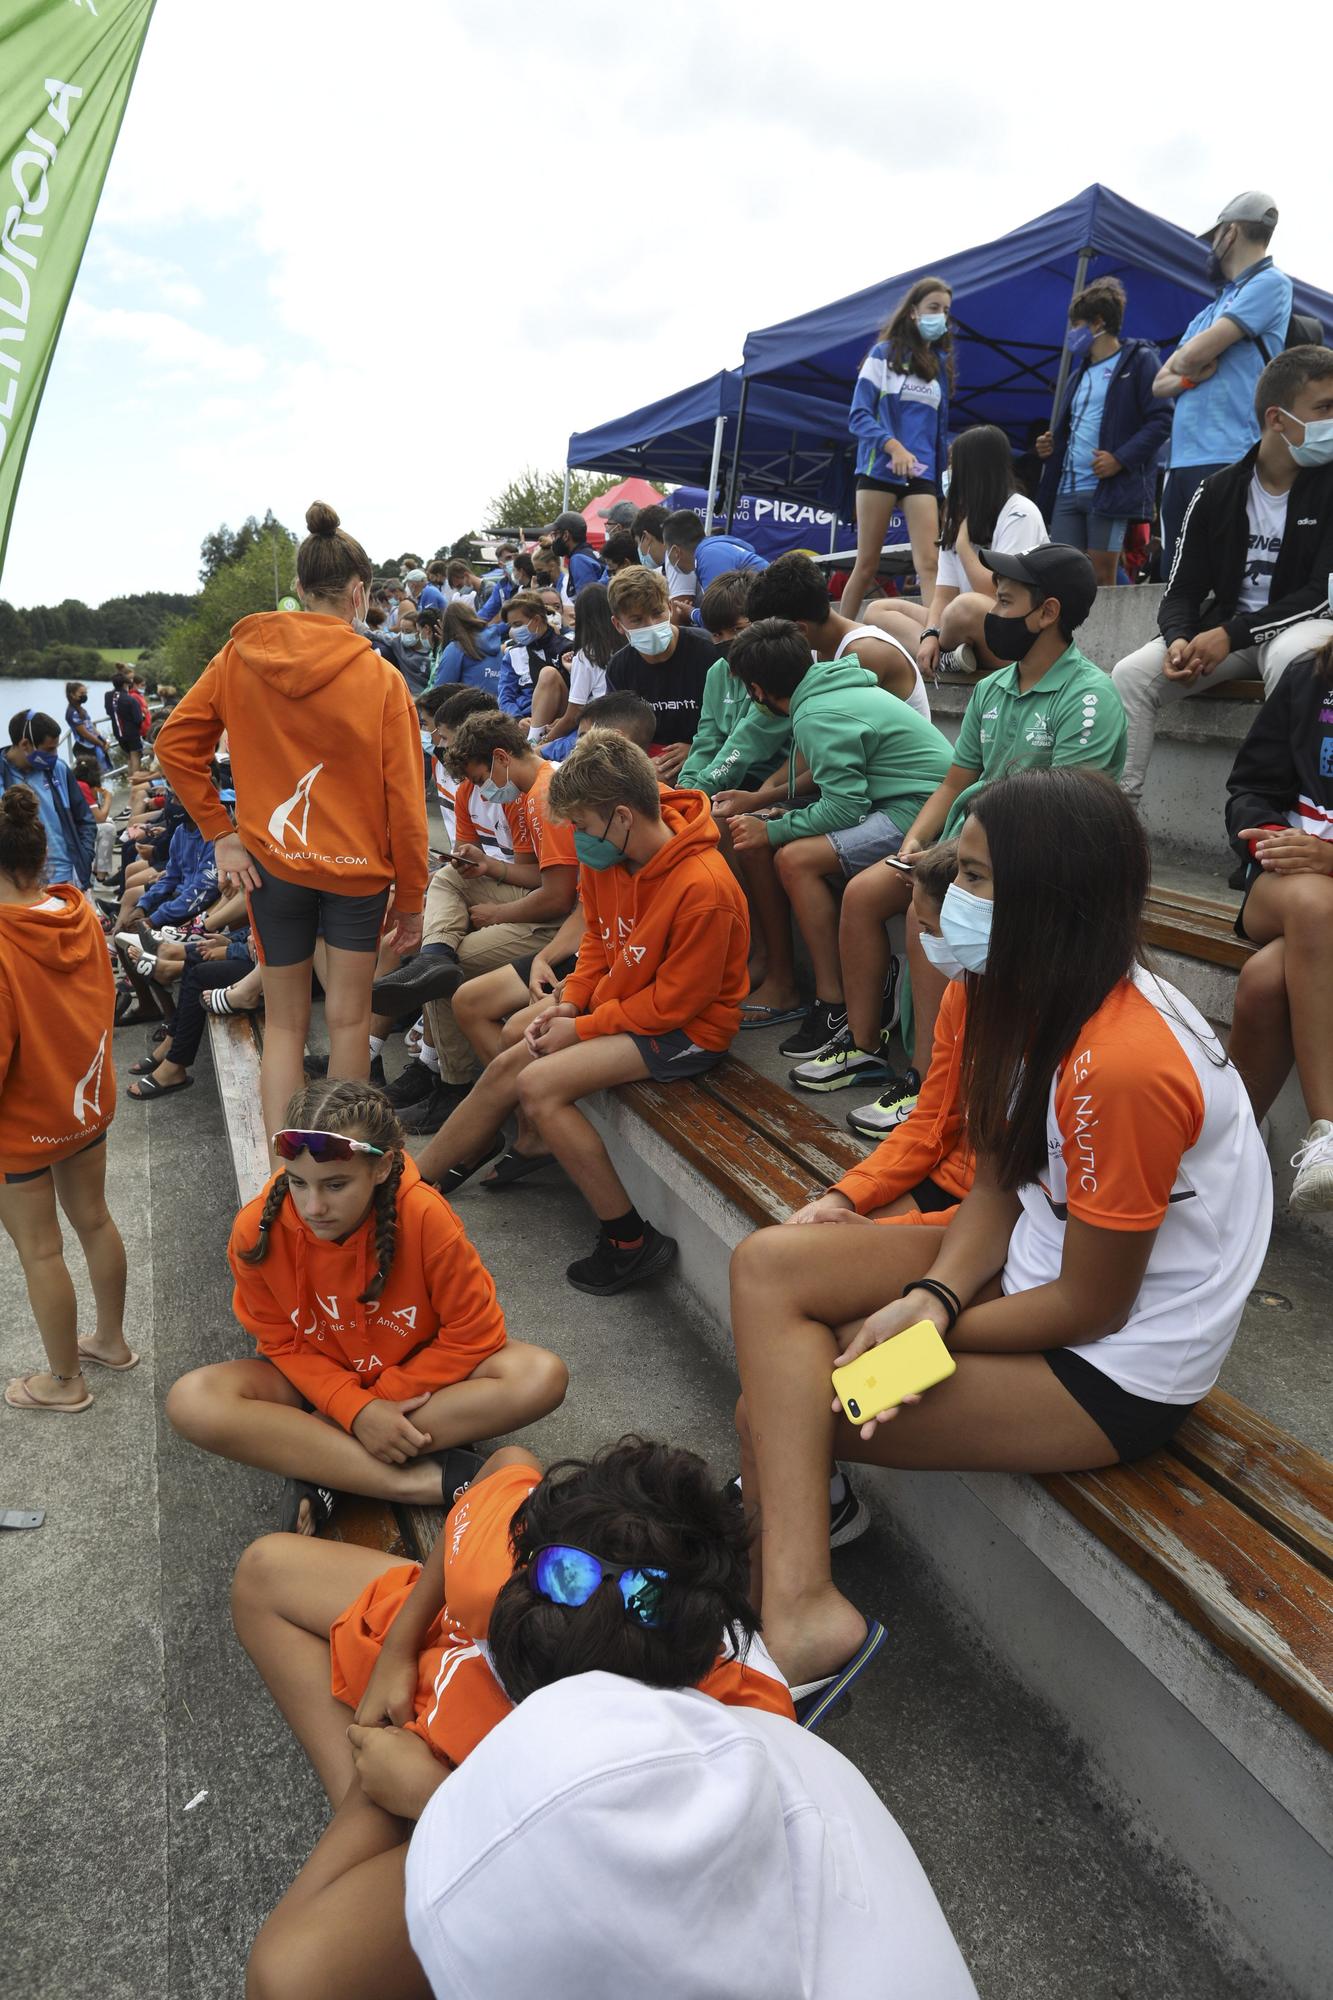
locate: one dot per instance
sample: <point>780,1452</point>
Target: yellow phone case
<point>912,1362</point>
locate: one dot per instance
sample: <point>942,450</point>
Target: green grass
<point>122,656</point>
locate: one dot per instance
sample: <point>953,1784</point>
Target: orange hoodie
<point>57,1004</point>
<point>325,754</point>
<point>932,1141</point>
<point>665,947</point>
<point>436,1319</point>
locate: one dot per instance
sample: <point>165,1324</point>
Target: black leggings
<point>189,1020</point>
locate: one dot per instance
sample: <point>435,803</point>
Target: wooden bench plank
<point>1246,690</point>
<point>764,1182</point>
<point>1269,1475</point>
<point>1202,932</point>
<point>1263,1606</point>
<point>820,1152</point>
<point>236,1066</point>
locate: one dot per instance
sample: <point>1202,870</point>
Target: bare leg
<point>1299,909</point>
<point>772,914</point>
<point>483,1005</point>
<point>929,986</point>
<point>922,514</point>
<point>1105,564</point>
<point>804,868</point>
<point>80,1186</point>
<point>901,617</point>
<point>874,511</point>
<point>963,623</point>
<point>286,1024</point>
<point>466,1133</point>
<point>28,1212</point>
<point>548,697</point>
<point>549,1091</point>
<point>1260,1040</point>
<point>347,980</point>
<point>868,901</point>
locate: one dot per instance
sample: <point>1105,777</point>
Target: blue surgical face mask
<point>1316,448</point>
<point>1078,340</point>
<point>647,560</point>
<point>651,640</point>
<point>594,850</point>
<point>940,956</point>
<point>932,326</point>
<point>965,926</point>
<point>509,571</point>
<point>498,795</point>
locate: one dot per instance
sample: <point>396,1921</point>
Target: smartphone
<point>892,861</point>
<point>907,1365</point>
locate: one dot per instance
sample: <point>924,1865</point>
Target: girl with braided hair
<point>381,1343</point>
<point>635,1562</point>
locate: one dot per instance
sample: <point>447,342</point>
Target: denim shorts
<point>1074,523</point>
<point>857,847</point>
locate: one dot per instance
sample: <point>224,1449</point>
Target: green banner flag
<point>66,67</point>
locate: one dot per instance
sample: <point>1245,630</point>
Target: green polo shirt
<point>1072,715</point>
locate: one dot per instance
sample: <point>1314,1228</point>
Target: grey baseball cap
<point>1252,206</point>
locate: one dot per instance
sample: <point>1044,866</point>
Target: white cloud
<point>444,249</point>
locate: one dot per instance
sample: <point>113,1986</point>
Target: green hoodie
<point>736,739</point>
<point>867,752</point>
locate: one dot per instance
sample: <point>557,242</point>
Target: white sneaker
<point>1313,1161</point>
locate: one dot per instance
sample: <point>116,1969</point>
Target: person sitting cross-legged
<point>656,993</point>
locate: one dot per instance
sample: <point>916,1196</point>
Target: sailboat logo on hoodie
<point>283,818</point>
<point>88,1089</point>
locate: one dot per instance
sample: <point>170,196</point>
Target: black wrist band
<point>948,1298</point>
<point>931,632</point>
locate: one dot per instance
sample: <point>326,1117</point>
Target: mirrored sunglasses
<point>321,1146</point>
<point>565,1575</point>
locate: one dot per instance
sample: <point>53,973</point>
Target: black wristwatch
<point>931,632</point>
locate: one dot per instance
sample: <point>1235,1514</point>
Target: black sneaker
<point>823,1023</point>
<point>430,1112</point>
<point>432,975</point>
<point>458,1468</point>
<point>888,1111</point>
<point>377,1071</point>
<point>848,1518</point>
<point>413,1084</point>
<point>610,1270</point>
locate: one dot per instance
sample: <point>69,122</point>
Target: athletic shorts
<point>287,917</point>
<point>1075,523</point>
<point>930,1197</point>
<point>900,488</point>
<point>562,967</point>
<point>16,1180</point>
<point>669,1057</point>
<point>131,743</point>
<point>1134,1425</point>
<point>858,847</point>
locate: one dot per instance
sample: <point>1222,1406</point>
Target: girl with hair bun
<point>57,1099</point>
<point>330,805</point>
<point>380,1338</point>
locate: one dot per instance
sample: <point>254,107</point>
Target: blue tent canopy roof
<point>1011,301</point>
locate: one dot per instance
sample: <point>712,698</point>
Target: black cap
<point>1053,570</point>
<point>567,524</point>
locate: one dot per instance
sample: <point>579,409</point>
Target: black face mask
<point>560,547</point>
<point>1216,275</point>
<point>1009,638</point>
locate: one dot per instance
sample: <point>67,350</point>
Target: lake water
<point>48,697</point>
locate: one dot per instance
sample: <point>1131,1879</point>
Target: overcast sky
<point>388,254</point>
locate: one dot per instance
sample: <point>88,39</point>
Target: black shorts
<point>901,488</point>
<point>131,743</point>
<point>287,917</point>
<point>15,1180</point>
<point>930,1197</point>
<point>1134,1425</point>
<point>562,967</point>
<point>675,1055</point>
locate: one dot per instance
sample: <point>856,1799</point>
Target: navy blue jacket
<point>1135,426</point>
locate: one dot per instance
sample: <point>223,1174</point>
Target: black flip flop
<point>149,1089</point>
<point>148,1065</point>
<point>515,1167</point>
<point>456,1177</point>
<point>323,1504</point>
<point>458,1468</point>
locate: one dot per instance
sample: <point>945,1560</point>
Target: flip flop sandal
<point>455,1177</point>
<point>20,1397</point>
<point>323,1505</point>
<point>515,1167</point>
<point>148,1090</point>
<point>113,1367</point>
<point>148,1065</point>
<point>770,1017</point>
<point>816,1700</point>
<point>459,1466</point>
<point>217,1000</point>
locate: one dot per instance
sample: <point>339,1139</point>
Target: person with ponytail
<point>381,1342</point>
<point>330,807</point>
<point>57,1100</point>
<point>631,1564</point>
<point>1093,1279</point>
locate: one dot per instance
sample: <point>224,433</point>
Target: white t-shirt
<point>1147,1127</point>
<point>1018,529</point>
<point>605,1828</point>
<point>1267,515</point>
<point>918,698</point>
<point>680,582</point>
<point>586,681</point>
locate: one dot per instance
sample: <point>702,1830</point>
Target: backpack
<point>1303,329</point>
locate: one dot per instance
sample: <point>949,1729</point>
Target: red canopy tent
<point>637,491</point>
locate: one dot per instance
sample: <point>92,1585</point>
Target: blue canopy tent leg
<point>734,482</point>
<point>1062,373</point>
<point>718,428</point>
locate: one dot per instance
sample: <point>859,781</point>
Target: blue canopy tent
<point>1010,310</point>
<point>795,441</point>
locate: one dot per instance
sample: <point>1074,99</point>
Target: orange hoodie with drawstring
<point>665,947</point>
<point>325,756</point>
<point>435,1320</point>
<point>57,1005</point>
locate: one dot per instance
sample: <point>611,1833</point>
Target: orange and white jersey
<point>1149,1127</point>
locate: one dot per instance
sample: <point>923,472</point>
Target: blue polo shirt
<point>1215,423</point>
